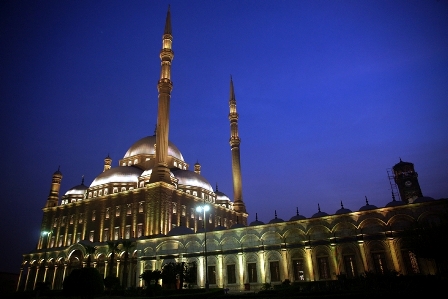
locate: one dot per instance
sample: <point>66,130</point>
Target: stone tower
<point>235,148</point>
<point>406,179</point>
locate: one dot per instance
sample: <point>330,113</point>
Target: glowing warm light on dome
<point>120,174</point>
<point>146,146</point>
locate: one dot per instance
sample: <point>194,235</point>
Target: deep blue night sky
<point>330,95</point>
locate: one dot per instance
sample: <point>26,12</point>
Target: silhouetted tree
<point>126,246</point>
<point>89,251</point>
<point>112,249</point>
<point>175,274</point>
<point>84,282</point>
<point>429,240</point>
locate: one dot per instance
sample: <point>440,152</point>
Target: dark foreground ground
<point>372,287</point>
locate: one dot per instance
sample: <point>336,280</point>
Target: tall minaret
<point>235,148</point>
<point>53,197</point>
<point>161,171</point>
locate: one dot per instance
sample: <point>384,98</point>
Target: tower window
<point>100,192</point>
<point>105,191</point>
<point>117,211</point>
<point>106,234</point>
<point>174,208</point>
<point>80,218</point>
<point>128,209</point>
<point>139,230</point>
<point>94,193</point>
<point>140,207</point>
<point>107,213</point>
<point>115,190</point>
<point>127,232</point>
<point>91,235</point>
<point>93,215</point>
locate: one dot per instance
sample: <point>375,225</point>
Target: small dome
<point>395,203</point>
<point>256,222</point>
<point>237,225</point>
<point>191,178</point>
<point>180,231</point>
<point>77,190</point>
<point>119,174</point>
<point>276,220</point>
<point>219,227</point>
<point>367,206</point>
<point>159,235</point>
<point>57,173</point>
<point>297,216</point>
<point>145,146</point>
<point>319,213</point>
<point>342,210</point>
<point>423,199</point>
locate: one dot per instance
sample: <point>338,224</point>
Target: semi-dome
<point>221,196</point>
<point>145,146</point>
<point>191,178</point>
<point>180,231</point>
<point>119,174</point>
<point>77,190</point>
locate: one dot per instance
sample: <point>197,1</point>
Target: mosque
<point>170,213</point>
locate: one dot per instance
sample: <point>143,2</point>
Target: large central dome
<point>145,146</point>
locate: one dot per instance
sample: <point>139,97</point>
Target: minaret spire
<point>53,197</point>
<point>235,149</point>
<point>161,171</point>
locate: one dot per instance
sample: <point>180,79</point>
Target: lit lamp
<point>204,208</point>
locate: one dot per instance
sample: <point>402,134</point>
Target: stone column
<point>20,278</point>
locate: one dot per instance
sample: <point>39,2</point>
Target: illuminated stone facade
<point>150,199</point>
